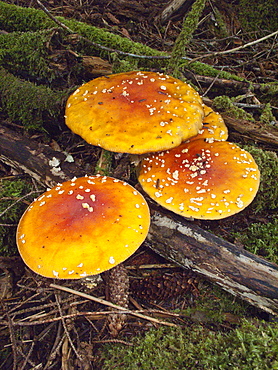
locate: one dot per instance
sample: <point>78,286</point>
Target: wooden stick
<point>112,305</point>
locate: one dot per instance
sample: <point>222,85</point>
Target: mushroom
<point>135,112</point>
<point>82,227</point>
<point>213,128</point>
<point>200,179</point>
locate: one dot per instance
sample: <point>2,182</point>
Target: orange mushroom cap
<point>135,112</point>
<point>200,179</point>
<point>82,227</point>
<point>214,127</point>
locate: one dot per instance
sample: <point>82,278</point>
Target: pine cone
<point>163,286</point>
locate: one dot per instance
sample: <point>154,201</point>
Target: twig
<point>152,266</point>
<point>47,12</point>
<point>12,337</point>
<point>95,314</point>
<point>17,201</point>
<point>113,341</point>
<point>211,85</point>
<point>27,357</point>
<point>56,347</point>
<point>229,51</point>
<point>109,304</point>
<point>34,366</point>
<point>66,329</point>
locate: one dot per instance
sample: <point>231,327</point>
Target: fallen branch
<point>175,7</point>
<point>237,271</point>
<point>256,131</point>
<point>45,165</point>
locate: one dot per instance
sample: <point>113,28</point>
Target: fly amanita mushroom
<point>200,179</point>
<point>135,112</point>
<point>82,227</point>
<point>213,128</point>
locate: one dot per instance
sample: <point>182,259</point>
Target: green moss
<point>256,15</point>
<point>261,239</point>
<point>220,24</point>
<point>224,103</point>
<point>269,88</point>
<point>103,167</point>
<point>124,64</point>
<point>10,192</point>
<point>190,24</point>
<point>250,347</point>
<point>214,305</point>
<point>26,52</point>
<point>15,18</point>
<point>267,115</point>
<point>207,70</point>
<point>27,103</point>
<point>267,196</point>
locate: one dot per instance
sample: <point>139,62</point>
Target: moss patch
<point>29,104</point>
<point>224,103</point>
<point>26,52</point>
<point>261,239</point>
<point>10,192</point>
<point>15,18</point>
<point>267,115</point>
<point>267,196</point>
<point>189,26</point>
<point>250,347</point>
<point>255,15</point>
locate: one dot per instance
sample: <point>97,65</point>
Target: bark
<point>237,271</point>
<point>45,165</point>
<point>259,132</point>
<point>174,8</point>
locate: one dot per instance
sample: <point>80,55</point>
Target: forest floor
<point>57,335</point>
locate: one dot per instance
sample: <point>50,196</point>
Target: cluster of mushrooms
<point>187,166</point>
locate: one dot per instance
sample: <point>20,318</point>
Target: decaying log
<point>256,131</point>
<point>173,8</point>
<point>45,165</point>
<point>237,271</point>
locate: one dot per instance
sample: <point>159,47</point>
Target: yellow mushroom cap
<point>201,180</point>
<point>82,227</point>
<point>135,112</point>
<point>214,127</point>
